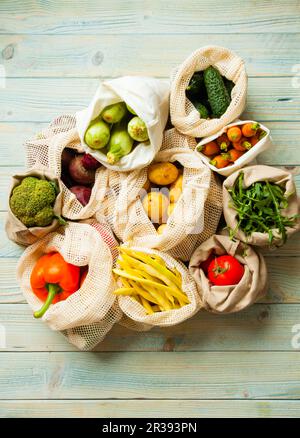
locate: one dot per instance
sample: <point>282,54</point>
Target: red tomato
<point>204,265</point>
<point>225,270</point>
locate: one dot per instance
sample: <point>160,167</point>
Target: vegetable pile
<point>210,93</point>
<point>233,144</point>
<point>115,130</point>
<point>160,202</point>
<point>32,202</point>
<point>259,208</point>
<point>148,280</point>
<point>133,276</point>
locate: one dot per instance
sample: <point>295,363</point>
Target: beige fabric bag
<point>249,157</point>
<point>197,212</point>
<point>253,174</point>
<point>15,229</point>
<point>148,97</point>
<point>86,316</point>
<point>135,316</point>
<point>184,115</point>
<point>45,151</point>
<point>229,299</point>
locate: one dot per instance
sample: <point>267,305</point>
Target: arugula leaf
<point>259,208</point>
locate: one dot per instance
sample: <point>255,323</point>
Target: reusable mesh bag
<point>229,299</point>
<point>45,151</point>
<point>149,98</point>
<point>86,316</point>
<point>135,316</point>
<point>253,174</point>
<point>15,229</point>
<point>184,115</point>
<point>197,212</point>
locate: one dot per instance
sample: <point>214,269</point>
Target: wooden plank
<point>286,139</point>
<point>258,328</point>
<point>7,247</point>
<point>223,375</point>
<point>12,137</point>
<point>286,145</point>
<point>150,408</point>
<point>119,17</point>
<point>9,289</point>
<point>41,99</point>
<point>29,56</point>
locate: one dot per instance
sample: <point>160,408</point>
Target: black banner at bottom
<point>140,426</point>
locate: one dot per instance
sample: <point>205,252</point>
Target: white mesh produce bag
<point>135,316</point>
<point>148,97</point>
<point>87,315</point>
<point>44,151</point>
<point>197,212</point>
<point>184,115</point>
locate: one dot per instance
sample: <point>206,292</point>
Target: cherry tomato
<point>225,270</point>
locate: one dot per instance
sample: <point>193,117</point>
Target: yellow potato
<point>161,228</point>
<point>176,189</point>
<point>171,208</point>
<point>156,205</point>
<point>162,174</point>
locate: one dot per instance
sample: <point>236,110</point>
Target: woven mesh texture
<point>135,316</point>
<point>184,115</point>
<point>197,212</point>
<point>45,151</point>
<point>88,314</point>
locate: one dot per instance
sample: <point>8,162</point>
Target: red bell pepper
<point>53,279</point>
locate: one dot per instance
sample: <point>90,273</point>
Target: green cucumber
<point>202,110</point>
<point>217,93</point>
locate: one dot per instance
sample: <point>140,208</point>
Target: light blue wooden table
<point>53,54</point>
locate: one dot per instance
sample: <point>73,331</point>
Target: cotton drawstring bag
<point>87,315</point>
<point>149,98</point>
<point>15,229</point>
<point>249,156</point>
<point>135,316</point>
<point>45,152</point>
<point>197,212</point>
<point>253,174</point>
<point>229,299</point>
<point>184,115</point>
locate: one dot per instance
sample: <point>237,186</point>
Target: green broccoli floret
<point>32,202</point>
<point>44,217</point>
<point>42,196</point>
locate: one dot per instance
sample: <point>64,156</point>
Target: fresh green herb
<point>259,209</point>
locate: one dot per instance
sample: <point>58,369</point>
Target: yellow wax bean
<point>124,291</point>
<point>160,266</point>
<point>143,266</point>
<point>139,290</point>
<point>147,306</point>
